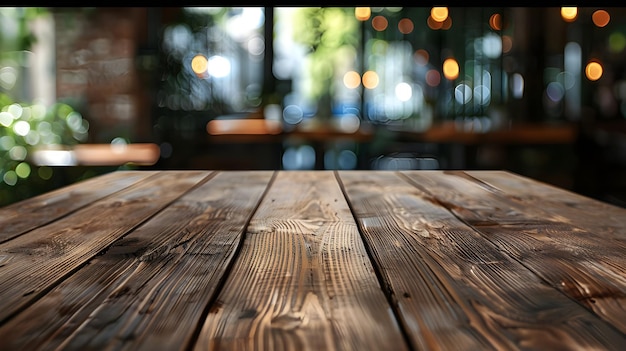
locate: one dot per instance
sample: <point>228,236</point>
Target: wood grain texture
<point>572,258</point>
<point>38,260</point>
<point>303,280</point>
<point>454,289</point>
<point>606,219</point>
<point>312,260</point>
<point>149,290</point>
<point>20,217</point>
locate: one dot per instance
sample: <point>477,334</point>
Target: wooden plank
<point>303,280</point>
<point>149,291</point>
<point>453,288</point>
<point>582,211</point>
<point>35,262</point>
<point>20,217</point>
<point>576,260</point>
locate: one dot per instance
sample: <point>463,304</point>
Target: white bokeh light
<point>219,66</point>
<point>404,91</point>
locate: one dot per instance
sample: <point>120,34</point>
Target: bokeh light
<point>405,26</point>
<point>593,70</point>
<point>492,45</point>
<point>600,18</point>
<point>439,14</point>
<point>447,23</point>
<point>22,170</point>
<point>362,13</point>
<point>351,80</point>
<point>199,64</point>
<point>569,14</point>
<point>45,172</point>
<point>299,157</point>
<point>370,79</point>
<point>421,57</point>
<point>450,69</point>
<point>403,91</point>
<point>495,21</point>
<point>617,42</point>
<point>379,23</point>
<point>432,24</point>
<point>433,78</point>
<point>507,44</point>
<point>218,66</point>
<point>517,85</point>
<point>463,93</point>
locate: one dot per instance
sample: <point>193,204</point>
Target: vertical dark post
<point>362,69</point>
<point>269,84</point>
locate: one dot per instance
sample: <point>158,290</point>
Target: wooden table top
<point>312,260</point>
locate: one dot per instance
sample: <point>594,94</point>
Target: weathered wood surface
<point>144,293</point>
<point>312,260</point>
<point>36,261</point>
<point>303,280</point>
<point>585,266</point>
<point>456,289</point>
<point>28,214</point>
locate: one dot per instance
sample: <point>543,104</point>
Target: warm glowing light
<point>450,69</point>
<point>243,126</point>
<point>351,80</point>
<point>379,23</point>
<point>447,23</point>
<point>495,21</point>
<point>362,13</point>
<point>593,71</point>
<point>433,78</point>
<point>370,79</point>
<point>199,64</point>
<point>421,56</point>
<point>507,43</point>
<point>432,24</point>
<point>600,18</point>
<point>439,14</point>
<point>405,26</point>
<point>116,154</point>
<point>569,14</point>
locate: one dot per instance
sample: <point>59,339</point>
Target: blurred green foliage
<point>24,128</point>
<point>332,37</point>
<point>28,125</point>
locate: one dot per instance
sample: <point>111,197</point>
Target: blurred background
<point>540,91</point>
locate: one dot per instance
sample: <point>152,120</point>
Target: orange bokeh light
<point>199,65</point>
<point>405,26</point>
<point>362,13</point>
<point>601,18</point>
<point>593,70</point>
<point>432,24</point>
<point>447,23</point>
<point>421,56</point>
<point>433,78</point>
<point>351,79</point>
<point>451,69</point>
<point>370,79</point>
<point>507,43</point>
<point>569,14</point>
<point>439,14</point>
<point>495,21</point>
<point>379,23</point>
